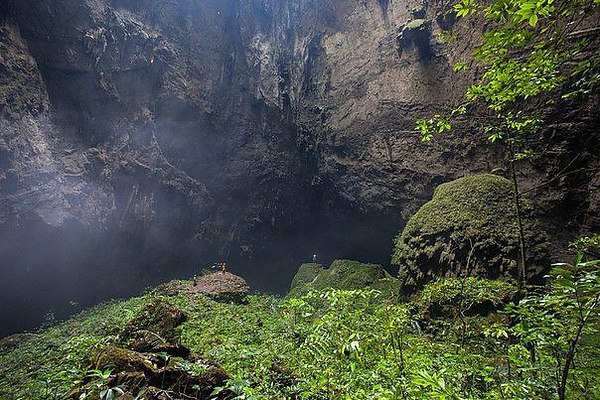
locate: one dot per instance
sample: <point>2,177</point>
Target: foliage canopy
<point>536,53</point>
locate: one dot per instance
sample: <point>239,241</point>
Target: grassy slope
<point>46,364</point>
<point>335,344</point>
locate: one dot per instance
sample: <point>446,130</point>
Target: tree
<point>556,321</point>
<point>536,54</point>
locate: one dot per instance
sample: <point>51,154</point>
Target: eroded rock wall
<point>140,140</point>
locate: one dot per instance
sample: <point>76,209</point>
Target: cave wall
<point>142,140</point>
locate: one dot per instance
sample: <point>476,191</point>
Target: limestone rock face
<point>142,137</point>
<point>469,228</point>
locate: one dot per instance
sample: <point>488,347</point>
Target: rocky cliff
<point>142,139</point>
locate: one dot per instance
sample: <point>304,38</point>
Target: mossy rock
<point>158,317</point>
<point>343,274</point>
<point>306,275</point>
<point>416,33</point>
<point>122,359</point>
<point>419,23</point>
<point>470,227</point>
<point>189,377</point>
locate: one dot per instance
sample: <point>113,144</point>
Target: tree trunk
<point>517,201</point>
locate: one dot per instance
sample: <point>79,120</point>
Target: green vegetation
<point>458,338</point>
<point>536,57</point>
<point>343,274</point>
<point>470,328</point>
<point>535,53</point>
<point>468,228</point>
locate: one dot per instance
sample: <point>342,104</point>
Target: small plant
<point>99,385</point>
<point>239,388</point>
<point>554,322</point>
<point>195,369</point>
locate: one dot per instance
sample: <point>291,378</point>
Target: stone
<point>343,274</point>
<point>469,227</point>
<point>306,275</point>
<point>132,371</point>
<point>123,359</point>
<point>158,319</point>
<point>222,286</point>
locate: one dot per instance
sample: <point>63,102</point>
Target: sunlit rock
<point>222,286</point>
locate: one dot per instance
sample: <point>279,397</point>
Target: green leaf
<point>533,20</point>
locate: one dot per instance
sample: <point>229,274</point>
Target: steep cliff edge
<point>140,139</point>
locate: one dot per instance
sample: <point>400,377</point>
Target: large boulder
<point>155,374</point>
<point>222,286</point>
<point>158,318</point>
<point>469,227</point>
<point>343,274</point>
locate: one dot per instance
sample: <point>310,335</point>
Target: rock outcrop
<point>151,363</point>
<point>469,228</point>
<point>343,274</point>
<point>222,286</point>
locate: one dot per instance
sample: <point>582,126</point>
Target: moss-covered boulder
<point>156,374</point>
<point>306,275</point>
<point>469,227</point>
<point>123,359</point>
<point>343,274</point>
<point>159,318</point>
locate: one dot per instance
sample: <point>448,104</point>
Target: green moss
<point>158,316</point>
<point>306,275</point>
<point>347,274</point>
<point>123,360</point>
<point>469,224</point>
<point>342,274</point>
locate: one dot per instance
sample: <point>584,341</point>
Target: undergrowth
<point>345,344</point>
